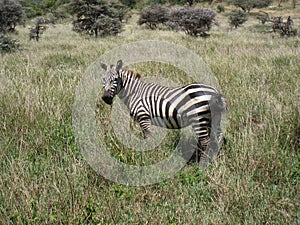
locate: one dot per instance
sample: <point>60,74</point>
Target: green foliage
<point>129,3</point>
<point>247,5</point>
<point>8,45</point>
<point>98,17</point>
<point>11,14</point>
<point>38,29</point>
<point>220,8</point>
<point>154,16</point>
<point>237,17</point>
<point>194,21</point>
<point>35,8</point>
<point>284,28</point>
<point>263,17</point>
<point>172,2</point>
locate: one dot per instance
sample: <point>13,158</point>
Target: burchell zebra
<point>174,108</point>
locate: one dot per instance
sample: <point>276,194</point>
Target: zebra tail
<point>218,104</point>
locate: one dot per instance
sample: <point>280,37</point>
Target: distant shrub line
<point>101,18</point>
<point>194,21</point>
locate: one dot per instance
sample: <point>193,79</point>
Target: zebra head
<point>112,82</point>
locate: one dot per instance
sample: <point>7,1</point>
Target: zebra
<point>149,104</point>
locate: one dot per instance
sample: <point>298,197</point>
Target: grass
<point>44,179</point>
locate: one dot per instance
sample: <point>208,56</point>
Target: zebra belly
<point>170,122</point>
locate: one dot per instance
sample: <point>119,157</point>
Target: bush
<point>8,45</point>
<point>34,8</point>
<point>220,8</point>
<point>98,17</point>
<point>236,18</point>
<point>263,17</point>
<point>129,3</point>
<point>193,21</point>
<point>11,14</point>
<point>38,29</point>
<point>247,5</point>
<point>284,28</point>
<point>153,16</point>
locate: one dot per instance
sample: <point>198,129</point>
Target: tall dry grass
<point>45,180</point>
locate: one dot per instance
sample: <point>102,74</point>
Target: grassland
<point>45,180</point>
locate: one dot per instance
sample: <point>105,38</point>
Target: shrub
<point>38,29</point>
<point>11,14</point>
<point>284,28</point>
<point>247,5</point>
<point>190,2</point>
<point>193,21</point>
<point>236,18</point>
<point>34,8</point>
<point>129,3</point>
<point>153,16</point>
<point>8,45</point>
<point>263,17</point>
<point>98,17</point>
<point>220,8</point>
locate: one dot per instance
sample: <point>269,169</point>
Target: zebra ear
<point>119,65</point>
<point>103,65</point>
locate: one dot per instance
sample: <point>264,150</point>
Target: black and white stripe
<point>174,108</point>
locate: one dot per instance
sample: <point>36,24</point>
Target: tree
<point>11,14</point>
<point>284,28</point>
<point>190,2</point>
<point>98,17</point>
<point>129,3</point>
<point>237,17</point>
<point>220,8</point>
<point>247,5</point>
<point>153,16</point>
<point>194,21</point>
<point>38,29</point>
<point>35,8</point>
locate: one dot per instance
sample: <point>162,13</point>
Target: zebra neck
<point>130,82</point>
<point>131,85</point>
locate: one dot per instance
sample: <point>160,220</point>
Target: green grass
<point>44,179</point>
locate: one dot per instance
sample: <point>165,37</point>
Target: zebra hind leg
<point>201,131</point>
<point>202,152</point>
<point>145,124</point>
<point>210,146</point>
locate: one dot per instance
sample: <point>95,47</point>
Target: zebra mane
<point>131,72</point>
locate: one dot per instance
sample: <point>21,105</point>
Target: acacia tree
<point>247,5</point>
<point>11,14</point>
<point>236,18</point>
<point>98,17</point>
<point>37,30</point>
<point>154,16</point>
<point>193,21</point>
<point>129,3</point>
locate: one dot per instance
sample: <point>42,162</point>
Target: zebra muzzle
<point>107,99</point>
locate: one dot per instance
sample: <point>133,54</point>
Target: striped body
<point>172,108</point>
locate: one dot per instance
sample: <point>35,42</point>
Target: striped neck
<point>130,82</point>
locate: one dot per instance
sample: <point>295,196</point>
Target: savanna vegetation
<point>44,179</point>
